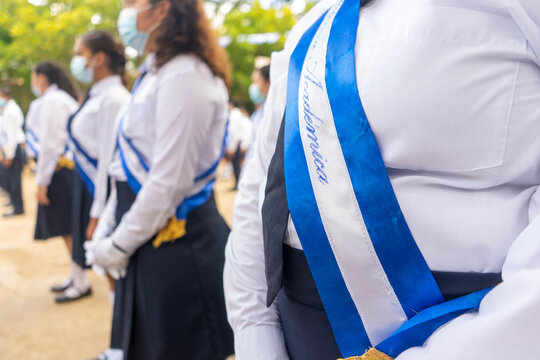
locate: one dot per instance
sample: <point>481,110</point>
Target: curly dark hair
<point>187,30</point>
<point>101,41</point>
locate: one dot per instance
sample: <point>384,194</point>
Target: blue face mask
<point>3,102</point>
<point>36,91</point>
<point>79,70</point>
<point>255,94</point>
<point>127,28</point>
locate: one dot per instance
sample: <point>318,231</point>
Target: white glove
<point>108,256</point>
<point>99,270</point>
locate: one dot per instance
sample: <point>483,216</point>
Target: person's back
<point>451,91</point>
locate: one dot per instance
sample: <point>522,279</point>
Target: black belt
<point>298,281</point>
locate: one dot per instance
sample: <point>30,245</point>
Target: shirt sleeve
<point>508,321</point>
<point>52,139</point>
<point>107,218</point>
<point>107,144</point>
<point>257,328</point>
<point>182,128</point>
<point>11,124</point>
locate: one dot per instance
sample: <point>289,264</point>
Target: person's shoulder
<point>58,97</point>
<point>305,23</point>
<point>116,95</point>
<point>190,70</point>
<point>183,64</point>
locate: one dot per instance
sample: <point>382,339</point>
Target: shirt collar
<point>51,88</point>
<point>103,84</point>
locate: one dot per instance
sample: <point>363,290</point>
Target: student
<point>12,138</point>
<point>258,91</point>
<point>239,135</point>
<point>402,139</point>
<point>100,60</point>
<point>47,137</point>
<point>167,247</point>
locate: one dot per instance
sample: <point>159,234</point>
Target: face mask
<point>36,91</point>
<point>79,70</point>
<point>3,102</point>
<point>255,94</point>
<point>127,28</point>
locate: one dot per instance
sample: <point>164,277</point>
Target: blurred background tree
<point>35,30</point>
<point>272,26</point>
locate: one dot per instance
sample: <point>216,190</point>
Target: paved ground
<point>32,326</point>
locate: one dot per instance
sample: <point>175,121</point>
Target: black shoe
<point>61,288</point>
<point>13,213</point>
<point>63,298</point>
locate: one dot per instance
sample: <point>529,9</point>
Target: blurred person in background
<point>46,129</point>
<point>160,234</point>
<point>239,135</point>
<point>258,91</point>
<point>11,141</point>
<point>99,60</point>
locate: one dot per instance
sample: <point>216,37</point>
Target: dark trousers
<point>13,181</point>
<point>236,161</point>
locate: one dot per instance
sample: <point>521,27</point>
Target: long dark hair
<point>56,74</point>
<point>187,30</point>
<point>101,41</point>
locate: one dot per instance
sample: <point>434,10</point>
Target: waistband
<point>298,281</point>
<point>126,197</point>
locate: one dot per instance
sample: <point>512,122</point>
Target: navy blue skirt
<point>306,328</point>
<point>82,202</point>
<point>55,219</point>
<point>171,303</point>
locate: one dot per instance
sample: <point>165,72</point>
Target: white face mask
<point>129,33</point>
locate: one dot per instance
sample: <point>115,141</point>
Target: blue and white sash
<point>85,165</point>
<point>136,169</point>
<point>32,144</point>
<point>375,285</point>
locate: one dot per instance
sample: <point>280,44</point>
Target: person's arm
<point>106,147</point>
<point>11,123</point>
<point>52,139</point>
<point>508,321</point>
<point>257,328</point>
<point>107,219</point>
<point>182,128</point>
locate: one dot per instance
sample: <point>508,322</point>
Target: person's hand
<point>92,224</point>
<point>42,196</point>
<point>108,256</point>
<point>8,163</point>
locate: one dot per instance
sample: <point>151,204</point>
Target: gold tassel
<point>64,162</point>
<point>371,354</point>
<point>175,229</point>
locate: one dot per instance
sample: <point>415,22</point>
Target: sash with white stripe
<point>136,170</point>
<point>32,143</point>
<point>375,285</point>
<point>85,165</point>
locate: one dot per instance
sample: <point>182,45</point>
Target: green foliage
<point>255,20</point>
<point>35,30</point>
<point>47,31</point>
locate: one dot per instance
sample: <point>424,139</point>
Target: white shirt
<point>176,119</point>
<point>239,132</point>
<point>451,89</point>
<point>52,112</point>
<point>95,130</point>
<point>11,131</point>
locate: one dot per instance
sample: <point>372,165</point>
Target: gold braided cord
<point>371,354</point>
<point>175,229</point>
